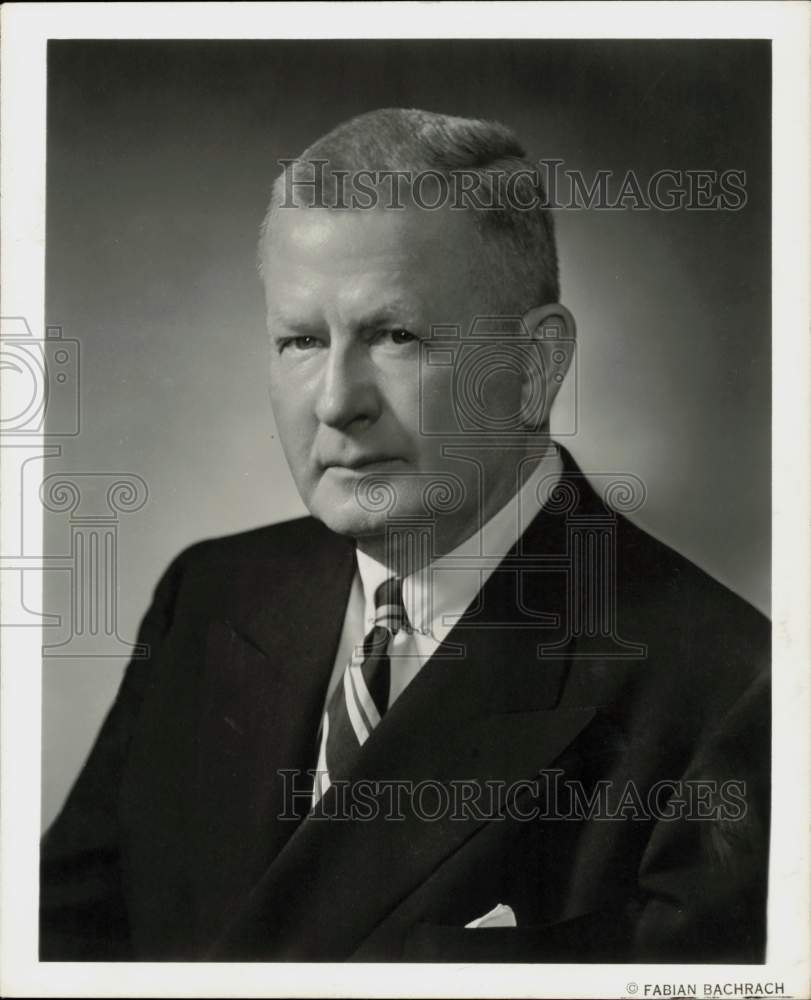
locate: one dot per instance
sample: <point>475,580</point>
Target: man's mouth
<point>365,463</point>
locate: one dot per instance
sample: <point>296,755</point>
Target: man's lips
<point>363,463</point>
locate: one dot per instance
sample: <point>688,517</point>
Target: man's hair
<point>519,241</point>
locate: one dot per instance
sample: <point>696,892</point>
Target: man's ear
<point>552,329</point>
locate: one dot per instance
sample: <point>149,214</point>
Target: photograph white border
<point>25,31</point>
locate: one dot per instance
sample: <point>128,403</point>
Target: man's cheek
<point>298,454</point>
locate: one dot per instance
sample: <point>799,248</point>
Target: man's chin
<point>366,511</point>
<point>350,519</point>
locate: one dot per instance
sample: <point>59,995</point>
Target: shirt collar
<point>437,595</point>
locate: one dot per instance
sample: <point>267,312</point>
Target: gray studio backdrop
<point>160,158</point>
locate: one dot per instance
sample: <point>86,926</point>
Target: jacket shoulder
<point>664,580</point>
<point>658,585</point>
<point>295,539</point>
<point>706,646</point>
<point>227,573</point>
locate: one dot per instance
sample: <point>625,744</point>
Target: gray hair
<point>520,240</point>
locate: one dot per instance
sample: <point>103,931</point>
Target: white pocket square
<point>499,916</point>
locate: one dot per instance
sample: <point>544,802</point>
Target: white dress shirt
<point>437,595</point>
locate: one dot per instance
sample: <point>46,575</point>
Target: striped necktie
<point>362,697</point>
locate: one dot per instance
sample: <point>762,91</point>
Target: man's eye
<point>299,343</point>
<point>399,336</point>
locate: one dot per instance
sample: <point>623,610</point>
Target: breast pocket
<point>602,936</point>
<point>438,943</point>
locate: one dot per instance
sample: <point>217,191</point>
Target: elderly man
<point>466,711</point>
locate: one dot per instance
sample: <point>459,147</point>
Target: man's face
<point>350,296</point>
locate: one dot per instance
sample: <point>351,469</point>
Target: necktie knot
<point>390,612</point>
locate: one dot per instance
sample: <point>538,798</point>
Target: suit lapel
<point>269,652</point>
<point>489,715</point>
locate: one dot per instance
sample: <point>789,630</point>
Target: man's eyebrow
<point>396,311</point>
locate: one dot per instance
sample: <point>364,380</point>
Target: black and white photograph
<point>403,515</point>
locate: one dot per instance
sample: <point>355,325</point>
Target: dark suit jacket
<point>170,845</point>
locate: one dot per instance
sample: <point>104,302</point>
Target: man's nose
<point>347,395</point>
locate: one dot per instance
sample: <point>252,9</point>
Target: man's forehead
<point>404,233</point>
<point>372,267</point>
